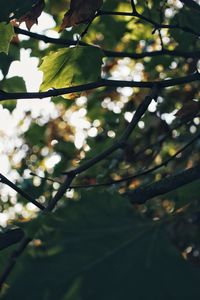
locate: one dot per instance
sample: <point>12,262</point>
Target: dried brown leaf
<point>30,18</point>
<point>81,11</point>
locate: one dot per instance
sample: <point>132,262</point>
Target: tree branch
<point>168,184</point>
<point>140,174</point>
<point>130,177</point>
<point>133,7</point>
<point>108,53</point>
<point>152,22</point>
<point>121,142</point>
<point>97,84</point>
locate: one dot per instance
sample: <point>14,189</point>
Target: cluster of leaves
<point>96,245</point>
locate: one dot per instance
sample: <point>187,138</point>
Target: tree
<point>117,197</point>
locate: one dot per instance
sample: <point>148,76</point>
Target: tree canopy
<point>99,133</point>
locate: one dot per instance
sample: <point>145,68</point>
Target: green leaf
<point>7,59</point>
<point>71,66</point>
<point>14,84</point>
<point>98,248</point>
<point>6,34</point>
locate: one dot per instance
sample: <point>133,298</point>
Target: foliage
<point>122,120</point>
<point>58,67</point>
<point>7,33</point>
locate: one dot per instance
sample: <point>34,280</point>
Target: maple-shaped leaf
<point>68,66</point>
<point>81,11</point>
<point>30,18</point>
<point>188,111</point>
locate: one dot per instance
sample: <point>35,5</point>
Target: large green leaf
<point>98,248</point>
<point>71,66</point>
<point>6,34</point>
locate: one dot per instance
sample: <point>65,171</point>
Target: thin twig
<point>133,7</point>
<point>152,22</point>
<point>140,174</point>
<point>25,195</point>
<point>107,53</point>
